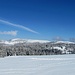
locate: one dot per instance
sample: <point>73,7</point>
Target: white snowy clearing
<point>38,65</point>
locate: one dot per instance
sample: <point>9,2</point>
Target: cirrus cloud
<point>13,33</point>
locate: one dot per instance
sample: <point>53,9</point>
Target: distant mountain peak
<point>18,40</point>
<point>68,42</point>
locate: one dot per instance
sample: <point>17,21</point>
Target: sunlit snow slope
<point>38,65</point>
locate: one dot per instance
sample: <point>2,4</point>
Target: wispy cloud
<point>13,33</point>
<point>19,26</point>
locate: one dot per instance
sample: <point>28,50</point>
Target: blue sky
<point>46,19</point>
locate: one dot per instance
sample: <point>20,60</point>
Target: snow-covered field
<point>38,65</point>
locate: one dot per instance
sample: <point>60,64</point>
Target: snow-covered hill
<point>57,47</point>
<point>66,42</point>
<point>38,65</point>
<point>28,41</point>
<point>18,40</point>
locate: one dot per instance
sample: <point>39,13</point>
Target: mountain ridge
<point>18,40</point>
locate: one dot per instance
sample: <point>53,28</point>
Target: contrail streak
<point>19,26</point>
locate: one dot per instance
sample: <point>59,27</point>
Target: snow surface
<point>38,65</point>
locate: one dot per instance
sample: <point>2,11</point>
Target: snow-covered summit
<point>39,41</point>
<point>66,42</point>
<point>18,40</point>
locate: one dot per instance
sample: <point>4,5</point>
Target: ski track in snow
<point>38,65</point>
